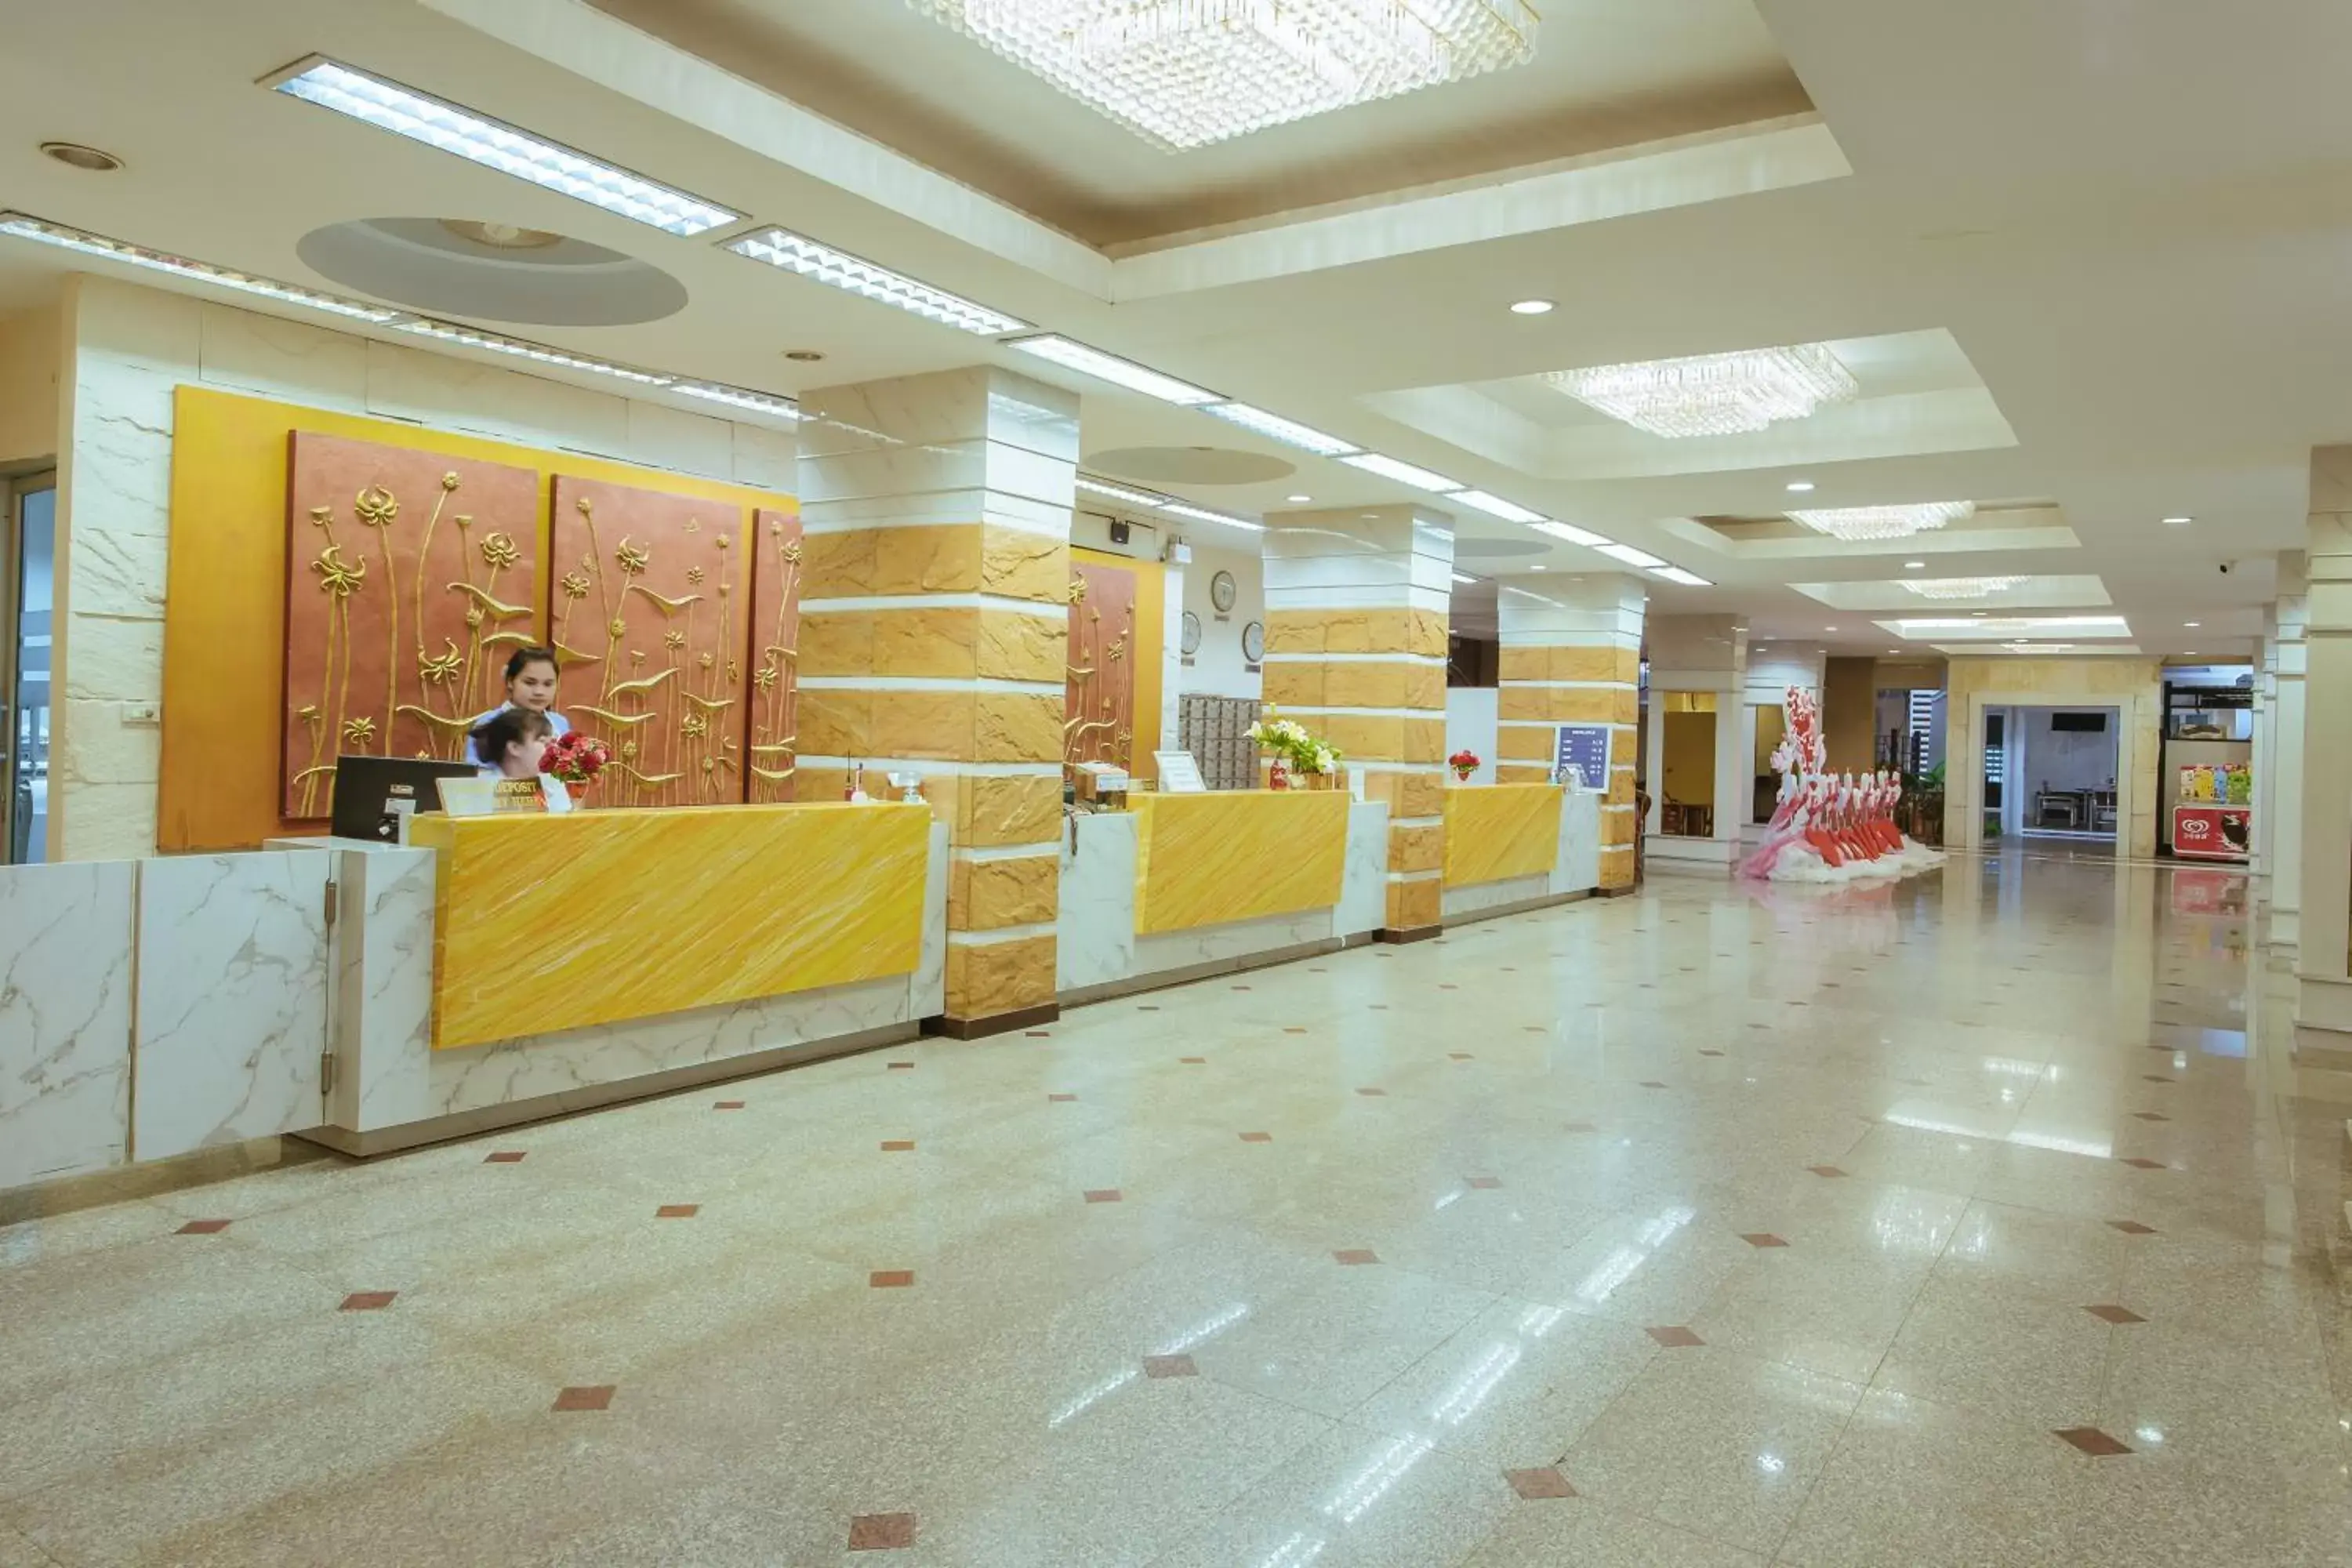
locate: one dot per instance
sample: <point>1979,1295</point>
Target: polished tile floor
<point>1970,1222</point>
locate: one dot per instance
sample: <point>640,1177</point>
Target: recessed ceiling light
<point>1403,473</point>
<point>1800,487</point>
<point>820,263</point>
<point>1979,614</point>
<point>2192,626</point>
<point>1532,307</point>
<point>1915,565</point>
<point>1510,512</point>
<point>2179,522</point>
<point>1298,501</point>
<point>74,155</point>
<point>1631,556</point>
<point>1571,533</point>
<point>803,356</point>
<point>1828,628</point>
<point>1072,355</point>
<point>24,226</point>
<point>436,122</point>
<point>1287,431</point>
<point>1538,567</point>
<point>2189,653</point>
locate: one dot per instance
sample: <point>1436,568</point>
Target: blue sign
<point>1583,753</point>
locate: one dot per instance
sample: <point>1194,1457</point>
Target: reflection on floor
<point>1949,1223</point>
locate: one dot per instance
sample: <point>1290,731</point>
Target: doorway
<point>2061,775</point>
<point>27,586</point>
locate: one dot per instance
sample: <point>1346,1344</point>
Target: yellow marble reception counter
<point>548,923</point>
<point>1493,832</point>
<point>1236,855</point>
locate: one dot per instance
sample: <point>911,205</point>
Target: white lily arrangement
<point>1290,741</point>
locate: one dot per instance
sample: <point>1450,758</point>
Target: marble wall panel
<point>1156,952</point>
<point>233,981</point>
<point>649,600</point>
<point>383,974</point>
<point>1363,884</point>
<point>65,1018</point>
<point>412,576</point>
<point>1095,928</point>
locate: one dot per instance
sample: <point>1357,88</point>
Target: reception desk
<point>543,924</point>
<point>1510,847</point>
<point>1188,885</point>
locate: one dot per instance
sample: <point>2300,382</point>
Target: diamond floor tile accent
<point>585,1396</point>
<point>1355,1256</point>
<point>503,1157</point>
<point>2108,1312</point>
<point>1539,1485</point>
<point>1762,1238</point>
<point>1103,1195</point>
<point>897,1145</point>
<point>677,1211</point>
<point>890,1279</point>
<point>203,1228</point>
<point>1482,1184</point>
<point>2132,1227</point>
<point>1830,1171</point>
<point>2142,1163</point>
<point>368,1300</point>
<point>1257,1136</point>
<point>882,1533</point>
<point>727,1105</point>
<point>2092,1441</point>
<point>1674,1337</point>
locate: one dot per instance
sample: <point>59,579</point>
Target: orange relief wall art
<point>774,696</point>
<point>1098,704</point>
<point>410,576</point>
<point>650,609</point>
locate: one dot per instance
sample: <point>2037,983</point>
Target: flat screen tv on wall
<point>2089,724</point>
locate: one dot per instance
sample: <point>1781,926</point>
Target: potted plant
<point>574,761</point>
<point>1295,751</point>
<point>1463,762</point>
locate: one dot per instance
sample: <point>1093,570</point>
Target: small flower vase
<point>1463,773</point>
<point>1280,778</point>
<point>577,789</point>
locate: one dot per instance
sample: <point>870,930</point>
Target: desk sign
<point>1581,753</point>
<point>503,797</point>
<point>1179,774</point>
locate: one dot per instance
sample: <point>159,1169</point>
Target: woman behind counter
<point>532,675</point>
<point>509,744</point>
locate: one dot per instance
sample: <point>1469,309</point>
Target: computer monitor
<point>374,793</point>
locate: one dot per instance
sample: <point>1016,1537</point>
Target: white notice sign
<point>1179,774</point>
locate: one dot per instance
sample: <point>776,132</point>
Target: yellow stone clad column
<point>1356,602</point>
<point>1571,654</point>
<point>934,620</point>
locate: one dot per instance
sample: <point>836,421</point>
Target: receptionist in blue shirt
<point>531,677</point>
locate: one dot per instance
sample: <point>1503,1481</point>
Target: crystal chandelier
<point>1960,588</point>
<point>1857,524</point>
<point>1713,395</point>
<point>1184,73</point>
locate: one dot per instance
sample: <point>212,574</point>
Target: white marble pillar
<point>2283,793</point>
<point>2323,907</point>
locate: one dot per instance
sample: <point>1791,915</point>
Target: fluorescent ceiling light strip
<point>739,398</point>
<point>437,122</point>
<point>1287,431</point>
<point>1117,492</point>
<point>23,225</point>
<point>1200,514</point>
<point>1458,577</point>
<point>2011,623</point>
<point>474,338</point>
<point>1403,473</point>
<point>1071,355</point>
<point>796,253</point>
<point>1573,533</point>
<point>1676,574</point>
<point>1631,556</point>
<point>1495,506</point>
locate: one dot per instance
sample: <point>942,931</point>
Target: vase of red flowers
<point>1463,762</point>
<point>574,761</point>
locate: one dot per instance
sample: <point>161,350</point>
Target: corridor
<point>1963,1222</point>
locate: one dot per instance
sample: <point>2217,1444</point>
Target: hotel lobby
<point>1173,783</point>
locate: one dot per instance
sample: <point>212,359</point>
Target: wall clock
<point>1191,633</point>
<point>1223,592</point>
<point>1254,641</point>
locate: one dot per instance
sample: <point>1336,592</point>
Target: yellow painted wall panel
<point>1496,831</point>
<point>1236,855</point>
<point>548,923</point>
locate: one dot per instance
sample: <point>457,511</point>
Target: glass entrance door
<point>24,703</point>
